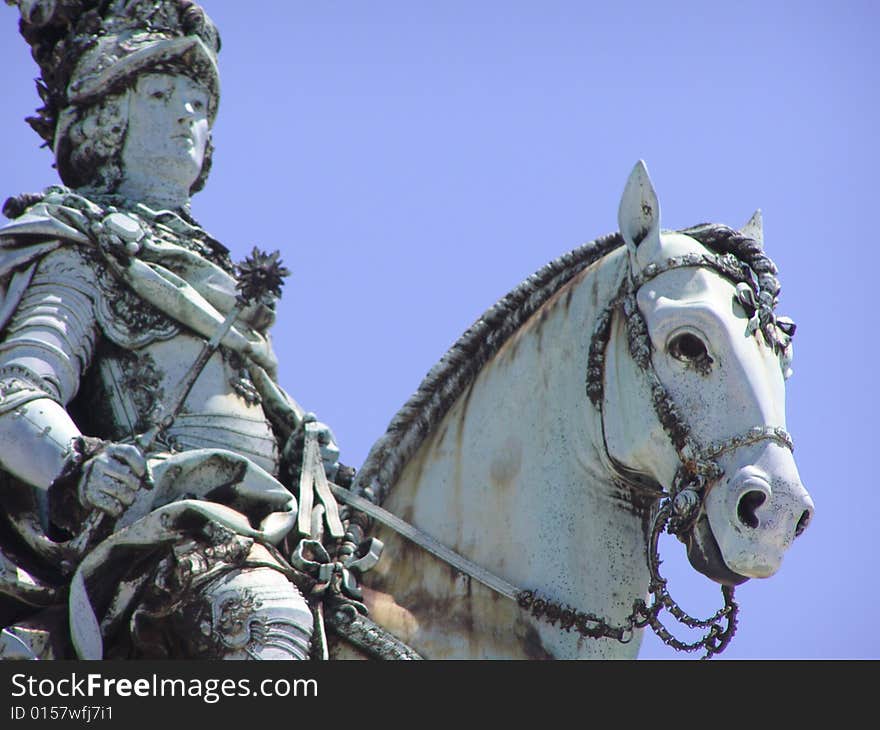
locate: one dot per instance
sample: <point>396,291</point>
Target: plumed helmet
<point>88,49</point>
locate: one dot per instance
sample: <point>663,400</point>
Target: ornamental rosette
<point>260,276</point>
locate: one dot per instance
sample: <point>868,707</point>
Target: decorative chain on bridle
<point>721,625</point>
<point>680,507</point>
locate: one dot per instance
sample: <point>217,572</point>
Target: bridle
<point>698,467</point>
<point>698,464</point>
<point>678,508</point>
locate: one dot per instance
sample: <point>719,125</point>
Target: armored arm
<point>47,346</point>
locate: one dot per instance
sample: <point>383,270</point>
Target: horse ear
<point>639,213</point>
<point>755,227</point>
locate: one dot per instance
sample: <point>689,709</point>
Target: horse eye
<point>688,348</point>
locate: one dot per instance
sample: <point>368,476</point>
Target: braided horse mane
<point>461,364</point>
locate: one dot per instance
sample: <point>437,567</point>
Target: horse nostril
<point>748,503</point>
<point>802,523</point>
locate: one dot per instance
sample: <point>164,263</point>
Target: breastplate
<point>128,387</point>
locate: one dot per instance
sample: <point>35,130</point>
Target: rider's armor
<point>85,340</point>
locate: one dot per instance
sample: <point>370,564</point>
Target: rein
<point>680,506</point>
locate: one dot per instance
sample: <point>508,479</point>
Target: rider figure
<point>110,291</point>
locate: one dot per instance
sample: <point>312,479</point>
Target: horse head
<point>513,482</point>
<point>698,340</point>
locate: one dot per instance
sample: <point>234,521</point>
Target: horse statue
<point>633,385</point>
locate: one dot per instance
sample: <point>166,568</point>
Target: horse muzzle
<point>755,512</point>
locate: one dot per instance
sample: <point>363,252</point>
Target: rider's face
<point>167,128</point>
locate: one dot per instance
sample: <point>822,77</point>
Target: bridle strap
<point>425,541</point>
<point>752,436</point>
<point>586,624</point>
<point>698,465</point>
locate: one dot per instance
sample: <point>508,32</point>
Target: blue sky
<point>415,161</point>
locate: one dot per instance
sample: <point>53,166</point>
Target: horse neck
<point>515,477</point>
